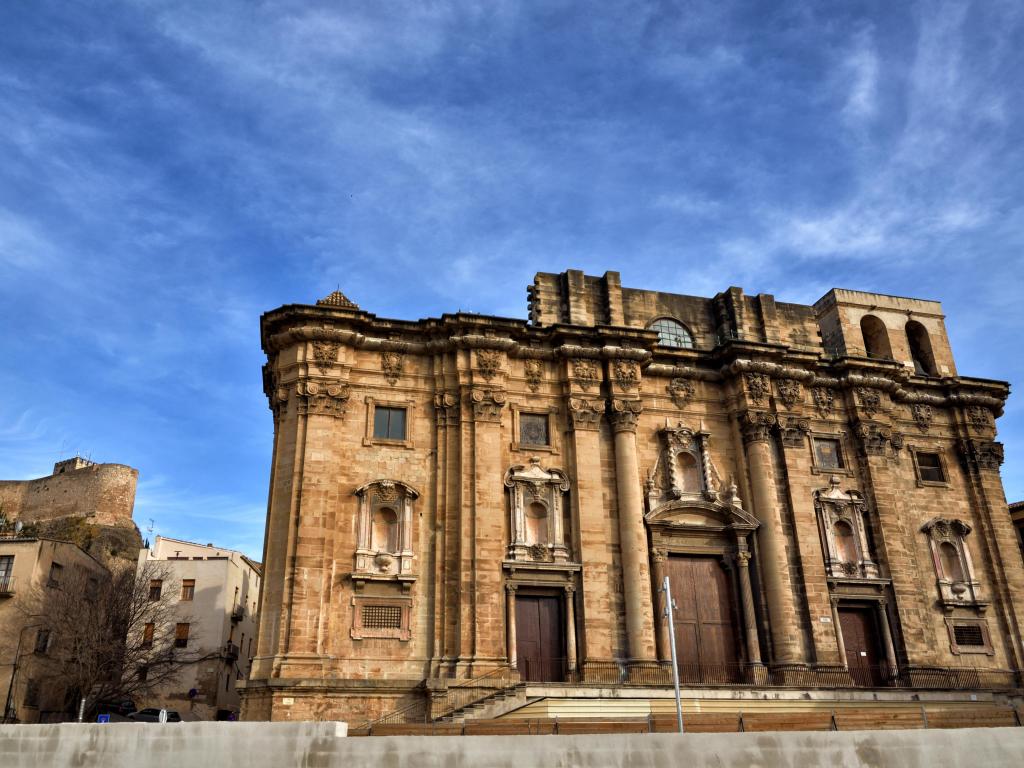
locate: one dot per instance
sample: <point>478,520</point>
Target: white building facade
<point>214,593</point>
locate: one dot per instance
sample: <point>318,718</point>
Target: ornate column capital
<point>446,409</point>
<point>584,413</point>
<point>792,430</point>
<point>981,454</point>
<point>873,438</point>
<point>756,426</point>
<point>623,414</point>
<point>511,588</point>
<point>322,398</point>
<point>487,404</point>
<point>743,559</point>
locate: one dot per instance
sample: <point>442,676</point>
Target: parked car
<point>122,707</point>
<point>152,715</point>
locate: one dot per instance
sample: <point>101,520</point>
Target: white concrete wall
<point>283,745</point>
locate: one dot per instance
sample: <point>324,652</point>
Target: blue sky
<point>168,171</point>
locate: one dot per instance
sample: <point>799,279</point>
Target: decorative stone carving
<point>683,468</point>
<point>487,362</point>
<point>979,416</point>
<point>585,373</point>
<point>487,404</point>
<point>790,392</point>
<point>623,414</point>
<point>391,364</point>
<point>681,390</point>
<point>922,415</point>
<point>384,532</point>
<point>824,399</point>
<point>870,400</point>
<point>792,430</point>
<point>534,490</point>
<point>317,398</point>
<point>956,580</point>
<point>534,370</point>
<point>326,354</point>
<point>626,374</point>
<point>842,518</point>
<point>584,413</point>
<point>758,386</point>
<point>446,409</point>
<point>873,439</point>
<point>756,426</point>
<point>982,454</point>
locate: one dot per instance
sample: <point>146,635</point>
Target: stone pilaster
<point>783,612</point>
<point>636,578</point>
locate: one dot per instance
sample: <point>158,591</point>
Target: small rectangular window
<point>828,453</point>
<point>32,694</point>
<point>42,641</point>
<point>6,567</point>
<point>181,635</point>
<point>143,674</point>
<point>56,575</point>
<point>533,429</point>
<point>388,423</point>
<point>147,635</point>
<point>188,589</point>
<point>969,635</point>
<point>929,467</point>
<point>155,588</point>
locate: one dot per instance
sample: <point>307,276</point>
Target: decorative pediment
<point>945,528</point>
<point>842,522</point>
<point>687,514</point>
<point>389,489</point>
<point>683,469</point>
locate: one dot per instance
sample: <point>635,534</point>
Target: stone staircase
<point>490,707</point>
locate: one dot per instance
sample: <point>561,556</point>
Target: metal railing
<point>458,695</point>
<point>7,586</point>
<point>230,651</point>
<point>656,674</point>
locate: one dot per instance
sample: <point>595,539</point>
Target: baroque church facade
<point>471,502</point>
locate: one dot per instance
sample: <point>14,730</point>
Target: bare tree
<point>108,639</point>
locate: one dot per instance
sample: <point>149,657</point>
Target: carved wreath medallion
<point>757,386</point>
<point>487,361</point>
<point>824,398</point>
<point>391,363</point>
<point>326,354</point>
<point>585,373</point>
<point>534,370</point>
<point>625,374</point>
<point>790,392</point>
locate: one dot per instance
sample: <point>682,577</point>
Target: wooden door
<point>861,642</point>
<point>540,646</point>
<point>704,627</point>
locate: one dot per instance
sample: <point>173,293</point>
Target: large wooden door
<point>861,642</point>
<point>540,645</point>
<point>704,627</point>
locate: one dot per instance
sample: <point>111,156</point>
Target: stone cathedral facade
<point>474,502</point>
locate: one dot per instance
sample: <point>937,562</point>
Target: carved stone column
<point>747,601</point>
<point>636,577</point>
<point>660,619</point>
<point>782,608</point>
<point>839,632</point>
<point>883,623</point>
<point>510,625</point>
<point>570,627</point>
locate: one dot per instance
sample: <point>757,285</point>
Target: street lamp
<point>9,714</point>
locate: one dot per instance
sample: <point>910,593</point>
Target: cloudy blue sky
<point>168,171</point>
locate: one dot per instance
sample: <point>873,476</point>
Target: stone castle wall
<point>104,494</point>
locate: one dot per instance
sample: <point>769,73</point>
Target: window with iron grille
<point>155,588</point>
<point>533,428</point>
<point>381,617</point>
<point>32,693</point>
<point>969,635</point>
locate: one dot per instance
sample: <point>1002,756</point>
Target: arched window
<point>536,524</point>
<point>384,531</point>
<point>672,333</point>
<point>950,559</point>
<point>876,338</point>
<point>921,349</point>
<point>689,473</point>
<point>846,545</point>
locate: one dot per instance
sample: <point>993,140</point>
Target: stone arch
<point>921,349</point>
<point>876,338</point>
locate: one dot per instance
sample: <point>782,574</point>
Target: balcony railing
<point>230,652</point>
<point>238,613</point>
<point>7,586</point>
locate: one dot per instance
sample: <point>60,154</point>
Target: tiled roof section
<point>337,299</point>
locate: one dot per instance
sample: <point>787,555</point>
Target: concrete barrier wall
<point>317,745</point>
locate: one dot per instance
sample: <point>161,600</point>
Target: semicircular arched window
<point>672,333</point>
